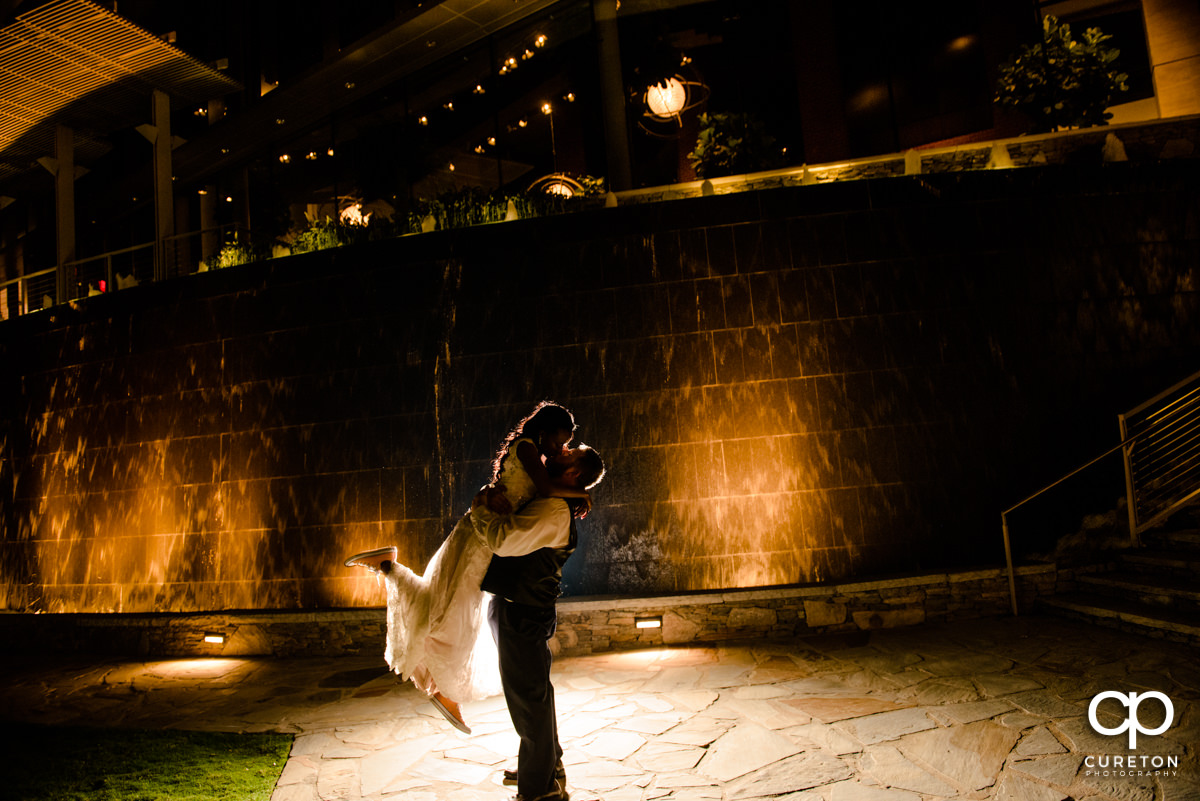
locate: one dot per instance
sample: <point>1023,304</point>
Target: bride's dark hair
<point>546,416</point>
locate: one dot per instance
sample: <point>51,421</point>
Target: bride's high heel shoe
<point>379,560</point>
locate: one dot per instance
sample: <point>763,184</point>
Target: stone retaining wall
<point>594,626</point>
<point>1178,137</point>
<point>807,385</point>
<point>586,626</point>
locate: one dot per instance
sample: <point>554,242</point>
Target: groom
<point>525,576</point>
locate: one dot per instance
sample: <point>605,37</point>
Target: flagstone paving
<point>994,709</point>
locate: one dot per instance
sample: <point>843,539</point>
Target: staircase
<point>1152,590</point>
<point>1153,587</point>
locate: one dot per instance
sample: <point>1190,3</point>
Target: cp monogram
<point>1131,723</point>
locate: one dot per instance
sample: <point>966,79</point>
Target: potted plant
<point>732,143</point>
<point>1062,82</point>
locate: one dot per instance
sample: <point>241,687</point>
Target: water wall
<point>790,385</point>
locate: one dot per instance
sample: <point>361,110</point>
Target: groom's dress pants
<point>522,633</point>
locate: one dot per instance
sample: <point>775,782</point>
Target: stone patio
<point>993,709</point>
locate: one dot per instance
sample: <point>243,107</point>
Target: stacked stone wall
<point>585,626</point>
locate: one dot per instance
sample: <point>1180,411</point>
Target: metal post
<point>64,204</point>
<point>164,191</point>
<point>1012,579</point>
<point>1127,453</point>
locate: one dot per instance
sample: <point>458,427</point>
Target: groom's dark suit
<point>525,576</point>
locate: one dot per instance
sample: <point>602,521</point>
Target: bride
<point>437,633</point>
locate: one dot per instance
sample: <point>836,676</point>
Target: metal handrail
<point>1165,478</point>
<point>1165,426</point>
<point>108,254</point>
<point>22,284</point>
<point>1012,580</point>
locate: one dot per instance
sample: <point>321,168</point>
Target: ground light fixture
<point>214,637</point>
<point>653,622</point>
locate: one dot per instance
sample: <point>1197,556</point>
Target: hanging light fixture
<point>557,183</point>
<point>669,98</point>
<point>666,99</point>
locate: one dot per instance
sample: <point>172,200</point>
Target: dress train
<point>437,629</point>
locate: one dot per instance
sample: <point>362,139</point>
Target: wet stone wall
<point>789,386</point>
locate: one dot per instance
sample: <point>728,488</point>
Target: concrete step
<point>1151,620</point>
<point>1162,561</point>
<point>1189,539</point>
<point>1182,540</point>
<point>1150,589</point>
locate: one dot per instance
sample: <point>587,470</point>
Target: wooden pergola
<point>72,73</point>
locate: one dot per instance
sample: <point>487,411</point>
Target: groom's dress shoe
<point>560,775</point>
<point>559,793</point>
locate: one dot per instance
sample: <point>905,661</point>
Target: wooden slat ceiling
<point>77,63</point>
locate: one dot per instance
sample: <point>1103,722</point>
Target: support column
<point>159,134</point>
<point>64,208</point>
<point>612,95</point>
<point>210,239</point>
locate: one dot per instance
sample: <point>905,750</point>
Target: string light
<point>449,106</point>
<point>329,152</point>
<point>540,41</point>
<point>479,149</point>
<point>569,97</point>
<point>285,158</point>
<point>423,120</point>
<point>312,155</point>
<point>479,89</point>
<point>522,123</point>
<point>546,108</point>
<point>491,141</point>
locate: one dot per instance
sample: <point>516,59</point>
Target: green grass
<point>75,763</point>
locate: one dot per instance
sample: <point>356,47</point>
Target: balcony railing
<point>28,293</point>
<point>181,254</point>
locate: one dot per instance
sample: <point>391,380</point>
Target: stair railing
<point>1162,473</point>
<point>1161,443</point>
<point>1012,579</point>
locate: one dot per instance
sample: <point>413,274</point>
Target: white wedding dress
<point>437,623</point>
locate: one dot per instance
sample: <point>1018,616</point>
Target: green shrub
<point>731,144</point>
<point>321,235</point>
<point>1062,82</point>
<point>230,256</point>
